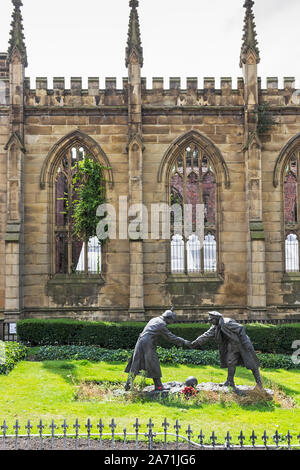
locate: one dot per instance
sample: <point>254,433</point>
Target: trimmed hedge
<point>14,352</point>
<point>265,338</point>
<point>166,356</point>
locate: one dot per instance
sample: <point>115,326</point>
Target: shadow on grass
<point>245,374</point>
<point>69,369</point>
<point>225,403</point>
<point>65,369</point>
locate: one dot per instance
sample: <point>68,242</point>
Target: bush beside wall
<point>265,338</point>
<point>14,353</point>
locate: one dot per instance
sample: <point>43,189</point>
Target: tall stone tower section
<point>14,238</point>
<point>134,63</point>
<point>249,60</point>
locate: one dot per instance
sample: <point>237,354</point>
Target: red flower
<point>189,392</point>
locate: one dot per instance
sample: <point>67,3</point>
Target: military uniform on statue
<point>235,347</point>
<point>145,357</point>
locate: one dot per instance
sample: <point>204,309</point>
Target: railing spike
<point>213,439</point>
<point>28,427</point>
<point>40,427</point>
<point>289,437</point>
<point>253,438</point>
<point>4,427</point>
<point>265,438</point>
<point>136,426</point>
<point>241,439</point>
<point>177,427</point>
<point>100,426</point>
<point>65,427</point>
<point>201,438</point>
<point>228,438</point>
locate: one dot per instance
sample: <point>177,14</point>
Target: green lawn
<point>35,390</point>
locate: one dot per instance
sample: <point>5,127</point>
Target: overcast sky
<point>190,38</point>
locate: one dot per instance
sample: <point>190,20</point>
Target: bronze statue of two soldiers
<point>235,348</point>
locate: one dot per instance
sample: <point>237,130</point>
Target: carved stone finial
<point>250,43</point>
<point>134,43</point>
<point>17,39</point>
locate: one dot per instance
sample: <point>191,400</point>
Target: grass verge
<point>49,390</point>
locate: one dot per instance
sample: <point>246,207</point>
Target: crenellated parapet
<point>276,96</point>
<point>76,95</point>
<point>160,92</point>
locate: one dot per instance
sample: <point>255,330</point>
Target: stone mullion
<point>256,266</point>
<point>185,240</point>
<point>86,255</point>
<point>14,239</point>
<point>297,203</point>
<point>69,224</point>
<point>286,230</point>
<point>200,160</point>
<point>135,183</point>
<point>136,300</point>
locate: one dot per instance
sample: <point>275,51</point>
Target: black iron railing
<point>100,436</point>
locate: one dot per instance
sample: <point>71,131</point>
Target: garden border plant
<point>14,352</point>
<point>166,356</point>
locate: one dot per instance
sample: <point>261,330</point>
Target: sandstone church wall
<point>135,131</point>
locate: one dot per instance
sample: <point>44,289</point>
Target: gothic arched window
<point>3,97</point>
<point>291,212</point>
<point>193,182</point>
<point>72,255</point>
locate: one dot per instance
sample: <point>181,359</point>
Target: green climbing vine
<point>264,122</point>
<point>264,119</point>
<point>89,187</point>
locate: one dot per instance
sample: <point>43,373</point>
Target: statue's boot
<point>129,383</point>
<point>230,378</point>
<point>127,386</point>
<point>239,392</point>
<point>159,386</point>
<point>227,384</point>
<point>257,377</point>
<point>230,382</point>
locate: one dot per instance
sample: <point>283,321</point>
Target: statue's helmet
<point>169,315</point>
<point>214,315</point>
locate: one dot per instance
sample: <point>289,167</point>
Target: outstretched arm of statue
<point>204,338</point>
<point>177,340</point>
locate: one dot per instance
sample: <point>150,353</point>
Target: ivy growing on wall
<point>264,119</point>
<point>264,122</point>
<point>89,187</point>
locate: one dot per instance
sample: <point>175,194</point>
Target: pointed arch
<point>15,139</point>
<point>286,177</point>
<point>73,138</point>
<point>285,153</point>
<point>135,140</point>
<point>194,168</point>
<point>207,145</point>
